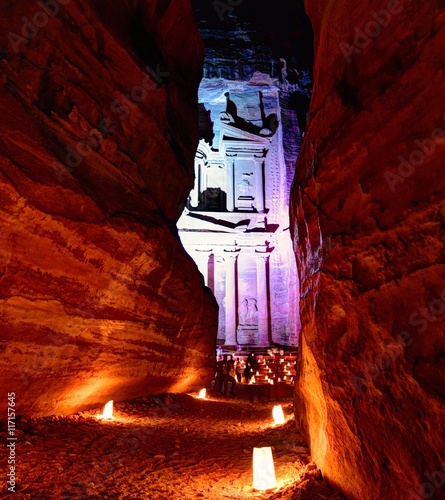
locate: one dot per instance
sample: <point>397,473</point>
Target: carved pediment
<point>230,132</point>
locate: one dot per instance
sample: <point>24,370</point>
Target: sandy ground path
<point>163,448</point>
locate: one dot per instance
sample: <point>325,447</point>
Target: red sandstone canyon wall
<point>368,214</point>
<point>98,130</point>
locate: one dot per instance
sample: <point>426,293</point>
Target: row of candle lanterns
<point>277,411</point>
<point>262,461</point>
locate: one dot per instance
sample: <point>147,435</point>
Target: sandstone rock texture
<point>163,447</point>
<point>98,131</point>
<point>368,215</point>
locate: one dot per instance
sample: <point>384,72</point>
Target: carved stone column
<point>194,195</point>
<point>230,191</point>
<point>203,177</point>
<point>202,261</point>
<point>262,298</point>
<point>259,183</point>
<point>211,272</point>
<point>219,291</point>
<point>231,290</point>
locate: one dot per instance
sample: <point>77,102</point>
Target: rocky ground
<point>168,447</point>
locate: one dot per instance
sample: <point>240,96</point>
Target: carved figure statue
<point>269,122</point>
<point>248,312</point>
<point>245,185</point>
<point>231,107</point>
<point>288,75</point>
<point>282,66</point>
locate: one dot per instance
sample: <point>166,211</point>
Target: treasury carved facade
<point>236,224</point>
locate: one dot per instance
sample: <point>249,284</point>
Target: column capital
<point>230,258</point>
<point>231,254</point>
<point>262,255</point>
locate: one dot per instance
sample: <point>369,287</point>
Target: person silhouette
<point>251,367</point>
<point>231,108</point>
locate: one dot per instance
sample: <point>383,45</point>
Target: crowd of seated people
<point>273,368</point>
<point>230,372</point>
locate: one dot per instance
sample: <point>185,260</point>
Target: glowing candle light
<point>202,394</point>
<point>108,410</point>
<point>285,378</point>
<point>279,380</point>
<point>257,373</point>
<point>263,469</point>
<point>278,415</point>
<point>252,380</point>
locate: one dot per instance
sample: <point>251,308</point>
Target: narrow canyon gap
<point>98,298</point>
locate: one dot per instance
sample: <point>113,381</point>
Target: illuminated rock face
<point>98,299</point>
<point>236,225</point>
<point>368,214</point>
